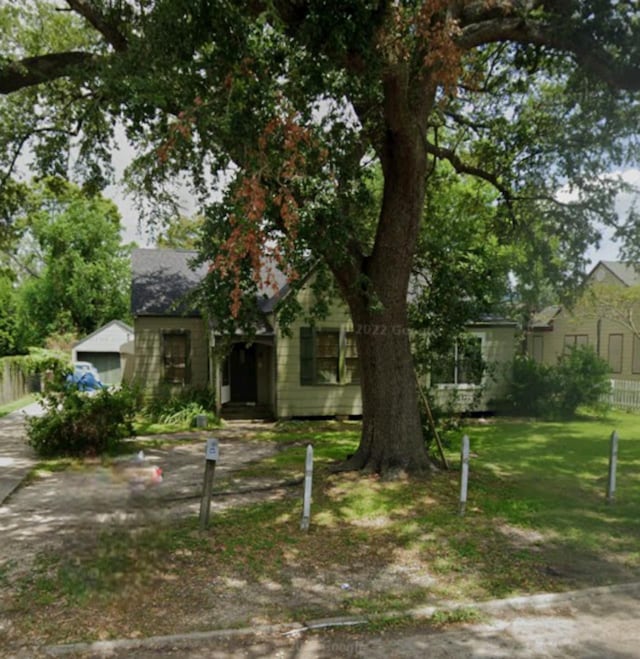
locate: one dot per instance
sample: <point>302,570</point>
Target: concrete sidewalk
<point>16,456</point>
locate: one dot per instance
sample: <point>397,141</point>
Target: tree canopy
<point>66,270</point>
<point>293,103</point>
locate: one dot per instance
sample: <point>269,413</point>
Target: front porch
<point>246,379</point>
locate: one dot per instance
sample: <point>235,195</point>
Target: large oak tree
<point>296,101</point>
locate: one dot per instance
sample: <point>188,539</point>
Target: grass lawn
<point>536,520</point>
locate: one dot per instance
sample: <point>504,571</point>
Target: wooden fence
<point>625,394</point>
<point>14,384</point>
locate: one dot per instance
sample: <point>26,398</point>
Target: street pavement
<point>16,456</point>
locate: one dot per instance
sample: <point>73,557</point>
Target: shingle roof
<point>163,278</point>
<point>544,318</point>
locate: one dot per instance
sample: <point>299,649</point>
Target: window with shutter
<point>328,356</point>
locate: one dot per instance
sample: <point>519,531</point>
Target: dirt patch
<point>64,509</point>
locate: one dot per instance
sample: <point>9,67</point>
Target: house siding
<point>296,400</point>
<point>149,369</point>
<point>498,349</point>
<point>594,332</point>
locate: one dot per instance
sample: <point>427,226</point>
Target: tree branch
<point>36,70</point>
<point>465,168</point>
<point>587,52</point>
<point>93,16</point>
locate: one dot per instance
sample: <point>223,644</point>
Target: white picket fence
<point>625,394</point>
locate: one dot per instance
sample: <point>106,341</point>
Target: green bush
<point>78,424</point>
<point>530,387</point>
<point>181,406</point>
<point>580,378</point>
<point>583,378</point>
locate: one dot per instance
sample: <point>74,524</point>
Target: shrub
<point>181,406</point>
<point>583,378</point>
<point>579,378</point>
<point>530,387</point>
<point>78,424</point>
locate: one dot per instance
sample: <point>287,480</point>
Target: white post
<point>464,475</point>
<point>613,461</point>
<point>308,480</point>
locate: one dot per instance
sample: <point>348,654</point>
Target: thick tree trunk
<point>376,286</point>
<point>392,439</point>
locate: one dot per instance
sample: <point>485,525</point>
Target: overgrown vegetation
<point>181,406</point>
<point>580,378</point>
<point>78,424</point>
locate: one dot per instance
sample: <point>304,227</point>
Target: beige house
<point>460,379</point>
<point>305,372</point>
<point>604,318</point>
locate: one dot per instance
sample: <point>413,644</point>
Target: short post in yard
<point>613,462</point>
<point>464,474</point>
<point>308,481</point>
<point>211,457</point>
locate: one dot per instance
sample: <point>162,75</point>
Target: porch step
<point>238,411</point>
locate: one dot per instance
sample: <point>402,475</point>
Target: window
<point>615,353</point>
<point>175,355</point>
<point>635,364</point>
<point>328,356</point>
<point>575,340</point>
<point>463,364</point>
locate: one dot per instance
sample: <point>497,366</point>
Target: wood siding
<point>498,345</point>
<point>149,367</point>
<point>296,400</point>
<point>610,340</point>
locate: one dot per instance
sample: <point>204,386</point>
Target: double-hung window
<point>328,356</point>
<point>462,365</point>
<point>175,356</point>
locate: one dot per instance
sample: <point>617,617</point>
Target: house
<point>604,318</point>
<point>109,349</point>
<point>303,372</point>
<point>473,376</point>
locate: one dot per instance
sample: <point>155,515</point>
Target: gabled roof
<point>544,319</point>
<point>627,272</point>
<point>127,329</point>
<point>162,280</point>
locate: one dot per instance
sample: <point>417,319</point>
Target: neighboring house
<point>605,325</point>
<point>109,349</point>
<point>472,377</point>
<point>305,372</point>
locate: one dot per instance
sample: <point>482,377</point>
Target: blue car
<point>85,377</point>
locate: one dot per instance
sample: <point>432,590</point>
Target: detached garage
<point>104,349</point>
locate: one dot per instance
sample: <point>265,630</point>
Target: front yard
<point>537,520</point>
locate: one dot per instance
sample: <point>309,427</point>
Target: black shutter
<point>306,355</point>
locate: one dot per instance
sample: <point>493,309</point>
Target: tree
<point>297,100</point>
<point>77,271</point>
<point>182,233</point>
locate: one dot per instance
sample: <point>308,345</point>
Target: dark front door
<point>243,374</point>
